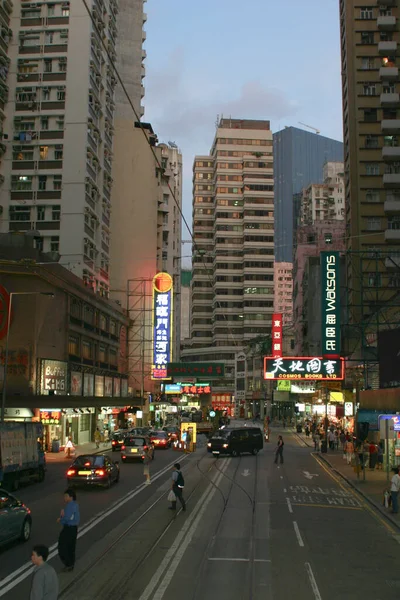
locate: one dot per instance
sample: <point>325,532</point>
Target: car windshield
<point>224,433</point>
<point>135,442</point>
<point>89,461</point>
<point>170,429</point>
<point>159,434</point>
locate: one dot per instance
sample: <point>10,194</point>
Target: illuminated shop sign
<point>173,388</point>
<point>54,377</point>
<point>276,335</point>
<point>330,307</point>
<point>314,368</point>
<point>50,417</point>
<point>196,369</point>
<point>162,325</point>
<point>197,388</point>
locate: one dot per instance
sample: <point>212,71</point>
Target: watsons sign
<point>330,308</point>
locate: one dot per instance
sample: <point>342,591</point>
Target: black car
<point>93,469</point>
<point>117,440</point>
<point>236,441</point>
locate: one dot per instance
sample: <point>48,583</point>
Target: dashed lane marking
<point>314,585</point>
<point>298,534</point>
<point>289,505</point>
<point>231,559</point>
<point>331,506</point>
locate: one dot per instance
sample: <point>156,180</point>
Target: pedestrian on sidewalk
<point>336,439</point>
<point>45,584</point>
<point>331,440</point>
<point>316,438</point>
<point>178,483</point>
<point>349,450</point>
<point>69,519</point>
<point>97,437</point>
<point>394,491</point>
<point>373,456</point>
<point>146,465</point>
<point>380,457</point>
<point>279,450</point>
<point>342,438</point>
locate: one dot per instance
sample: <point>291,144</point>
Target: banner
<point>330,306</point>
<point>277,335</point>
<point>162,325</point>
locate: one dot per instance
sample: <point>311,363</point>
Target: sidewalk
<point>372,489</point>
<point>89,448</point>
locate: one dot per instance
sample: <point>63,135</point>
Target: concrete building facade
<point>233,254</point>
<point>59,123</point>
<point>299,157</point>
<point>321,201</point>
<point>283,291</point>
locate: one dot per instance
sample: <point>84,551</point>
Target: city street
<point>307,535</point>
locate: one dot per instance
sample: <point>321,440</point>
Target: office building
<point>283,291</point>
<point>233,255</point>
<point>59,123</point>
<point>299,157</point>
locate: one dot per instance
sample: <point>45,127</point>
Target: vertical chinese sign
<point>162,325</point>
<point>276,335</point>
<point>330,307</point>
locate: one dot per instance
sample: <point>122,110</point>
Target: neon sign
<point>162,324</point>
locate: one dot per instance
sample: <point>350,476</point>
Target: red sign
<point>196,389</point>
<point>4,306</point>
<point>221,400</point>
<point>50,417</point>
<point>277,335</point>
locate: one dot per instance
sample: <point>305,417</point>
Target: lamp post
<point>3,397</point>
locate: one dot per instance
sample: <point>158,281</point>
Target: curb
<point>363,494</point>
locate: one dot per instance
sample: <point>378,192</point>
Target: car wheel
<point>254,451</point>
<point>108,483</point>
<point>234,453</point>
<point>26,530</point>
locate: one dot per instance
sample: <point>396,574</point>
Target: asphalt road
<point>252,531</point>
<point>46,500</point>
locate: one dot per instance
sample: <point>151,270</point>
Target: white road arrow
<point>246,473</point>
<point>310,475</point>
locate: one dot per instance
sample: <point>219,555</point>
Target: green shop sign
<point>330,306</point>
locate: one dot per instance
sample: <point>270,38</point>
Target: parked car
<point>236,441</point>
<point>134,447</point>
<point>160,439</point>
<point>15,519</point>
<point>93,469</point>
<point>117,440</point>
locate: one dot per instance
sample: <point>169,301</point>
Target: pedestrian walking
<point>279,450</point>
<point>349,451</point>
<point>316,438</point>
<point>45,584</point>
<point>380,457</point>
<point>336,439</point>
<point>69,519</point>
<point>331,440</point>
<point>373,455</point>
<point>178,483</point>
<point>97,437</point>
<point>394,491</point>
<point>342,438</point>
<point>146,465</point>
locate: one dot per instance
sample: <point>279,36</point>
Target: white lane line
<point>262,560</point>
<point>15,578</point>
<point>298,535</point>
<point>231,559</point>
<point>171,561</point>
<point>281,476</point>
<point>397,538</point>
<point>311,577</point>
<point>289,505</point>
<point>284,490</point>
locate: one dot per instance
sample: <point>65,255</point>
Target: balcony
<point>389,73</point>
<point>390,125</point>
<point>386,23</point>
<point>391,153</point>
<point>387,48</point>
<point>390,99</point>
<point>391,180</point>
<point>392,235</point>
<point>392,203</point>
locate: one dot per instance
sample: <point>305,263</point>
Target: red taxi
<point>160,439</point>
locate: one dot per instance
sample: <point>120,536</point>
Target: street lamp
<point>3,398</point>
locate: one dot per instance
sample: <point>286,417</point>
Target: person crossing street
<point>69,519</point>
<point>178,483</point>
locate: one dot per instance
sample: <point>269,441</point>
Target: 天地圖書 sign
<point>309,367</point>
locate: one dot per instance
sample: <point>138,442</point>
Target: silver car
<point>15,519</point>
<point>134,447</point>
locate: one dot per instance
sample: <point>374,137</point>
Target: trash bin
<point>55,446</point>
<point>324,446</point>
<point>298,428</point>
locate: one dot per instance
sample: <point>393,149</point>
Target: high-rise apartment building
<point>283,291</point>
<point>233,255</point>
<point>322,201</point>
<point>299,157</point>
<point>370,37</point>
<point>59,122</point>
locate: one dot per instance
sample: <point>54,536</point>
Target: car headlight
<point>209,445</point>
<point>225,445</point>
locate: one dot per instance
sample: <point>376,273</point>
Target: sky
<point>252,59</point>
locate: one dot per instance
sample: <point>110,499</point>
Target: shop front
<point>224,403</point>
<point>162,414</point>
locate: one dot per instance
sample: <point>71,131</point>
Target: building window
<point>369,89</point>
<point>48,65</point>
<point>102,353</point>
<point>367,63</point>
<point>58,154</point>
<point>112,354</point>
<point>42,183</point>
<point>372,168</point>
<point>40,213</point>
<point>39,244</point>
<point>367,37</point>
<point>50,10</point>
<point>394,222</point>
<point>366,12</point>
<point>57,182</point>
<point>370,115</point>
<point>21,182</point>
<point>73,345</point>
<point>373,224</point>
<point>54,243</point>
<point>374,279</point>
<point>84,422</point>
<point>56,212</point>
<point>60,123</point>
<point>61,94</point>
<point>371,141</point>
<point>44,123</point>
<point>87,350</point>
<point>49,37</point>
<point>113,327</point>
<point>62,65</point>
<point>44,152</point>
<point>65,11</point>
<point>46,94</point>
<point>20,213</point>
<point>372,196</point>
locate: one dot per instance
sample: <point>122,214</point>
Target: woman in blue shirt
<point>69,519</point>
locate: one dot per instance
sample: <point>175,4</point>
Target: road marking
<point>314,586</point>
<point>246,473</point>
<point>17,576</point>
<point>281,475</point>
<point>284,490</point>
<point>298,535</point>
<point>166,570</point>
<point>231,559</point>
<point>262,560</point>
<point>289,505</point>
<point>330,506</point>
<point>310,475</point>
<point>358,497</point>
<point>397,538</point>
<point>300,441</point>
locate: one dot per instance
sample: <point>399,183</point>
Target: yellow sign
<point>189,434</point>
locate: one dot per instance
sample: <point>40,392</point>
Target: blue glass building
<point>299,157</point>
